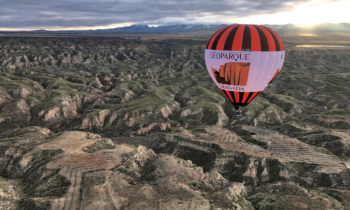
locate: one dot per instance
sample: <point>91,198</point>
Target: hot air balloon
<point>243,60</point>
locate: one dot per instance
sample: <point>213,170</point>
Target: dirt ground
<point>73,162</point>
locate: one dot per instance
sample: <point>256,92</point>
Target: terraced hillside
<point>73,112</point>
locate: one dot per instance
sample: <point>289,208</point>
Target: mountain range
<point>324,28</point>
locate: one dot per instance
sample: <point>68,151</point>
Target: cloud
<point>51,14</point>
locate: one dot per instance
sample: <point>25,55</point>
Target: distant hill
<point>169,28</point>
<point>324,28</point>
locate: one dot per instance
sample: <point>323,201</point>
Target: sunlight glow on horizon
<point>307,14</point>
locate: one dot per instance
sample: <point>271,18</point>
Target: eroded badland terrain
<point>111,123</point>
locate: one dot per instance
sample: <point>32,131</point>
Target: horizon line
<point>150,26</point>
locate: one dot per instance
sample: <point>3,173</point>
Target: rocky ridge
<point>289,150</point>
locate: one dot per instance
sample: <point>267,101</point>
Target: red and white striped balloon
<point>243,59</point>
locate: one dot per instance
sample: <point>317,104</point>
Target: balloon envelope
<point>243,59</point>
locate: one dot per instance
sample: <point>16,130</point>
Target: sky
<point>103,14</point>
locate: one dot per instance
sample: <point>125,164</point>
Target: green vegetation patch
<point>317,139</point>
<point>288,129</point>
<point>100,144</point>
<point>286,103</point>
<point>341,112</point>
<point>303,169</point>
<point>282,195</point>
<point>35,203</point>
<point>40,181</point>
<point>18,132</point>
<point>247,136</point>
<point>54,135</point>
<point>151,101</point>
<point>320,193</point>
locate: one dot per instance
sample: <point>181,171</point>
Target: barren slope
<point>289,150</point>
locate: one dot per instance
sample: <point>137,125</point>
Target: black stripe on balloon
<point>206,47</point>
<point>215,43</point>
<point>250,95</point>
<point>256,95</point>
<point>263,40</point>
<point>232,96</point>
<point>278,48</point>
<point>225,94</point>
<point>230,37</point>
<point>241,94</point>
<point>246,43</point>
<point>212,37</point>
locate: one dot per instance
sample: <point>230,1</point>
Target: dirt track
<point>73,162</point>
